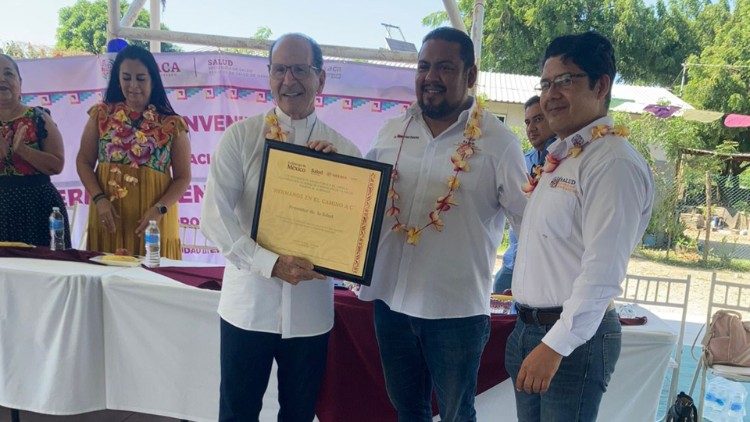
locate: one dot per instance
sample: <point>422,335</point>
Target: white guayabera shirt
<point>447,274</point>
<point>250,298</point>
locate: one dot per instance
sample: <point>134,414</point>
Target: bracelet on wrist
<point>98,196</point>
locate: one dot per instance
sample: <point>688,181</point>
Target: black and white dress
<point>26,195</point>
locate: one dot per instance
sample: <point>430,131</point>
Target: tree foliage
<point>83,27</point>
<point>719,79</point>
<point>651,41</point>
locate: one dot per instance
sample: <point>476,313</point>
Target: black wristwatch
<point>161,208</point>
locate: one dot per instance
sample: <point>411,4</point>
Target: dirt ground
<point>700,281</point>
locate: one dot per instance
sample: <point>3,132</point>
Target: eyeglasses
<point>560,81</point>
<point>299,71</point>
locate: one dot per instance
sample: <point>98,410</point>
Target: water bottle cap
<point>55,208</point>
<point>151,221</point>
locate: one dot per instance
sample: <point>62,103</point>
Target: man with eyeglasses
<point>458,173</point>
<point>587,211</point>
<point>272,306</point>
<point>540,136</point>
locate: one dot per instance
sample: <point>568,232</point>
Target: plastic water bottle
<point>153,244</point>
<point>56,230</point>
<point>714,407</point>
<point>736,408</point>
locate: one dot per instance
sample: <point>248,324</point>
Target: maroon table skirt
<point>354,388</point>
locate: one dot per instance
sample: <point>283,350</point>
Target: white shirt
<point>581,225</point>
<point>250,298</point>
<point>447,274</point>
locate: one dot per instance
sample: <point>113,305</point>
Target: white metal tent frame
<point>122,27</point>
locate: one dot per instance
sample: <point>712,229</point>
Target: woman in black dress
<point>31,149</point>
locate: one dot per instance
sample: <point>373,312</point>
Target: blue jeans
<point>503,279</point>
<point>418,354</point>
<point>577,387</point>
<point>246,358</point>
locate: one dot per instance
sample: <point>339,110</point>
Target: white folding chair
<point>665,292</point>
<point>192,239</point>
<point>728,296</point>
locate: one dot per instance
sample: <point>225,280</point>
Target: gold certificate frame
<point>327,208</point>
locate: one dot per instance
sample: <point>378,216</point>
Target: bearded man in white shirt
<point>585,215</point>
<point>457,172</point>
<point>271,306</point>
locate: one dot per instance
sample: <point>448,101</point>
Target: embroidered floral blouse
<point>12,164</point>
<point>136,139</point>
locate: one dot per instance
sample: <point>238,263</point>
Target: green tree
<point>651,41</point>
<point>263,33</point>
<point>719,79</point>
<point>83,27</point>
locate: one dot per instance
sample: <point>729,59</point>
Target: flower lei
<point>459,160</point>
<point>274,129</point>
<point>551,162</point>
<point>129,139</point>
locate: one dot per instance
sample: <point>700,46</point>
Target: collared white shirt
<point>447,274</point>
<point>250,298</point>
<point>581,225</point>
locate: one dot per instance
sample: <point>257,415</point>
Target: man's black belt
<point>538,316</point>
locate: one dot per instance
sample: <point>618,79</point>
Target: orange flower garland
<point>459,161</point>
<point>551,162</point>
<point>274,129</point>
<point>138,144</point>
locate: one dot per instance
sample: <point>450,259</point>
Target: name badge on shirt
<point>564,183</point>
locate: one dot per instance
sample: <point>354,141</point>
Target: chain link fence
<point>700,210</point>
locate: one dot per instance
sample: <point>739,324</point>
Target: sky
<point>352,23</point>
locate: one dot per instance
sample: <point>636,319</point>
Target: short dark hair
<point>158,95</point>
<point>449,34</point>
<point>531,101</point>
<point>317,53</point>
<point>13,62</point>
<point>591,51</point>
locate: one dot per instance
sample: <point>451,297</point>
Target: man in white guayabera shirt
<point>271,306</point>
<point>587,211</point>
<point>458,173</point>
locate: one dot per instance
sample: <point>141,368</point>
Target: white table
<point>51,336</point>
<point>162,356</point>
<point>633,391</point>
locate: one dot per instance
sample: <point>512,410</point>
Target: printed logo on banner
<point>180,94</point>
<point>376,106</point>
<point>260,97</point>
<point>333,71</point>
<point>74,98</point>
<point>169,68</point>
<point>210,95</point>
<point>233,93</point>
<point>45,99</point>
<point>99,96</point>
<point>404,107</point>
<point>105,66</point>
<point>229,66</point>
<point>318,101</point>
<point>346,104</point>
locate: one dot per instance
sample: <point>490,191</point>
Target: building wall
<point>513,112</point>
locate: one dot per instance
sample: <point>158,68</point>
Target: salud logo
<point>105,66</point>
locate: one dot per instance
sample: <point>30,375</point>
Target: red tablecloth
<point>43,252</point>
<point>354,388</point>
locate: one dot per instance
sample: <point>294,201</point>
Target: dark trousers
<point>419,355</point>
<point>579,384</point>
<point>246,359</point>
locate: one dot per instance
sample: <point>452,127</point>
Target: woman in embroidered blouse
<point>128,147</point>
<point>31,149</point>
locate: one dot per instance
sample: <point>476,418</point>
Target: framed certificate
<point>326,208</point>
